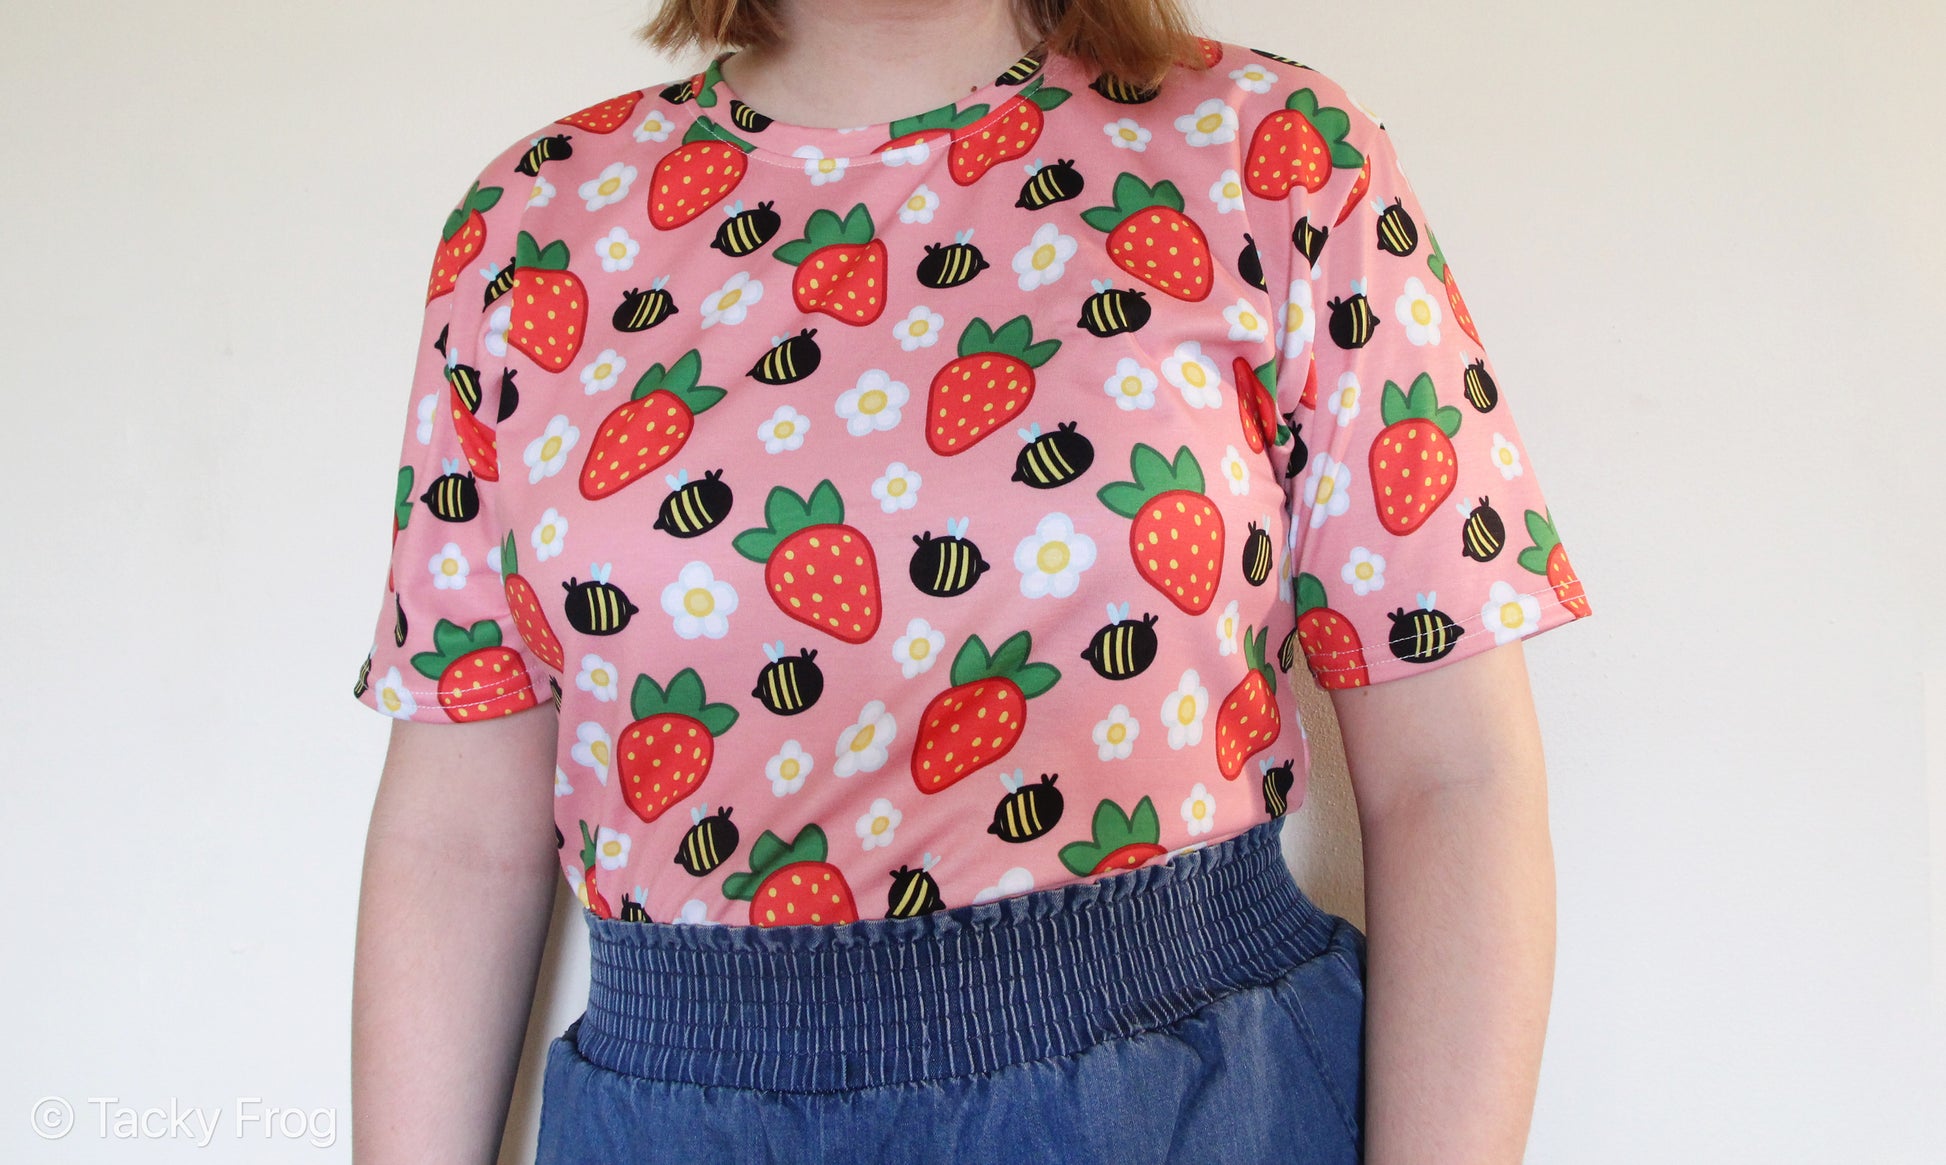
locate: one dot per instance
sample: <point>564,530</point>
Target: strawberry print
<point>478,678</point>
<point>476,438</point>
<point>1332,649</point>
<point>606,116</point>
<point>1548,557</point>
<point>1151,238</point>
<point>1412,459</point>
<point>1256,404</point>
<point>696,175</point>
<point>986,385</point>
<point>792,884</point>
<point>817,570</point>
<point>462,239</point>
<point>840,266</point>
<point>1248,720</point>
<point>980,718</point>
<point>525,605</point>
<point>664,754</point>
<point>1009,135</point>
<point>1121,840</point>
<point>1299,146</point>
<point>1441,271</point>
<point>590,887</point>
<point>647,429</point>
<point>1176,532</point>
<point>550,305</point>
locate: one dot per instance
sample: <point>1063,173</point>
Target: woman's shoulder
<point>1253,80</point>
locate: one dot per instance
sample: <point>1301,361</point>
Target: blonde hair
<point>1133,41</point>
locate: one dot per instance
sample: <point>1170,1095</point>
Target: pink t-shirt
<point>913,515</point>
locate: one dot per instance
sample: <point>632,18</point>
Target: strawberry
<point>1443,271</point>
<point>1358,189</point>
<point>664,754</point>
<point>1547,556</point>
<point>1208,53</point>
<point>1257,405</point>
<point>1248,721</point>
<point>476,437</point>
<point>980,718</point>
<point>1176,537</point>
<point>1121,841</point>
<point>1008,135</point>
<point>1413,465</point>
<point>792,885</point>
<point>550,306</point>
<point>478,678</point>
<point>818,570</point>
<point>461,239</point>
<point>648,428</point>
<point>987,384</point>
<point>699,173</point>
<point>1332,650</point>
<point>590,860</point>
<point>1152,239</point>
<point>1299,145</point>
<point>606,117</point>
<point>934,127</point>
<point>840,266</point>
<point>526,607</point>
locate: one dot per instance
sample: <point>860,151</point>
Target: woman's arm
<point>460,868</point>
<point>1459,893</point>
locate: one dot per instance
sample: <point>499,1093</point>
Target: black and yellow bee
<point>1423,635</point>
<point>789,684</point>
<point>1047,185</point>
<point>712,840</point>
<point>1111,311</point>
<point>948,565</point>
<point>1352,319</point>
<point>746,118</point>
<point>1053,459</point>
<point>364,682</point>
<point>465,380</point>
<point>1287,651</point>
<point>1027,811</point>
<point>548,149</point>
<point>439,343</point>
<point>641,310</point>
<point>398,621</point>
<point>913,892</point>
<point>1300,455</point>
<point>746,230</point>
<point>501,283</point>
<point>694,507</point>
<point>633,911</point>
<point>1018,72</point>
<point>678,92</point>
<point>1258,555</point>
<point>555,686</point>
<point>790,359</point>
<point>1481,392</point>
<point>453,496</point>
<point>597,607</point>
<point>1124,648</point>
<point>951,264</point>
<point>1250,265</point>
<point>1397,233</point>
<point>1309,240</point>
<point>1268,55</point>
<point>509,396</point>
<point>1278,779</point>
<point>1484,535</point>
<point>1121,92</point>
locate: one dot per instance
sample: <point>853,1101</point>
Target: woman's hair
<point>1133,41</point>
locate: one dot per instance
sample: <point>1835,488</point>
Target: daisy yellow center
<point>1052,557</point>
<point>1043,256</point>
<point>916,202</point>
<point>604,370</point>
<point>617,249</point>
<point>1248,320</point>
<point>550,448</point>
<point>1232,190</point>
<point>538,191</point>
<point>599,677</point>
<point>881,824</point>
<point>1325,487</point>
<point>1294,318</point>
<point>1117,733</point>
<point>608,185</point>
<point>1347,396</point>
<point>547,534</point>
<point>729,299</point>
<point>896,487</point>
<point>863,740</point>
<point>652,125</point>
<point>1199,809</point>
<point>920,648</point>
<point>1128,133</point>
<point>612,847</point>
<point>599,750</point>
<point>789,769</point>
<point>1193,375</point>
<point>1131,386</point>
<point>1363,570</point>
<point>698,601</point>
<point>784,429</point>
<point>872,402</point>
<point>390,698</point>
<point>449,567</point>
<point>1236,470</point>
<point>1229,629</point>
<point>919,327</point>
<point>1209,123</point>
<point>1511,615</point>
<point>1421,312</point>
<point>1186,710</point>
<point>827,165</point>
<point>1506,456</point>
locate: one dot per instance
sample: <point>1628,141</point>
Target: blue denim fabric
<point>1204,1009</point>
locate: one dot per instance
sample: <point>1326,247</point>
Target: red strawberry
<point>1332,650</point>
<point>590,860</point>
<point>1009,134</point>
<point>934,127</point>
<point>1413,465</point>
<point>1152,239</point>
<point>980,718</point>
<point>478,678</point>
<point>550,306</point>
<point>525,604</point>
<point>1358,189</point>
<point>1176,537</point>
<point>664,754</point>
<point>792,885</point>
<point>986,385</point>
<point>1256,404</point>
<point>1299,145</point>
<point>606,117</point>
<point>818,570</point>
<point>461,240</point>
<point>1121,841</point>
<point>476,437</point>
<point>1248,721</point>
<point>696,175</point>
<point>1208,53</point>
<point>648,428</point>
<point>840,266</point>
<point>1443,272</point>
<point>1547,556</point>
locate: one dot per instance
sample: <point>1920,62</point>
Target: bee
<point>948,565</point>
<point>555,686</point>
<point>678,92</point>
<point>453,496</point>
<point>633,910</point>
<point>1425,634</point>
<point>1257,556</point>
<point>1111,311</point>
<point>398,621</point>
<point>1481,392</point>
<point>1123,649</point>
<point>1268,55</point>
<point>914,892</point>
<point>1027,811</point>
<point>465,382</point>
<point>1484,535</point>
<point>1047,185</point>
<point>509,396</point>
<point>746,118</point>
<point>746,230</point>
<point>711,841</point>
<point>789,684</point>
<point>548,149</point>
<point>597,607</point>
<point>1278,782</point>
<point>790,359</point>
<point>1051,459</point>
<point>1309,240</point>
<point>560,842</point>
<point>951,264</point>
<point>364,683</point>
<point>1300,455</point>
<point>1250,265</point>
<point>439,344</point>
<point>641,310</point>
<point>1018,72</point>
<point>1287,651</point>
<point>1121,92</point>
<point>500,280</point>
<point>1352,319</point>
<point>1397,234</point>
<point>694,507</point>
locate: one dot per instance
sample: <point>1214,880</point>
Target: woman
<point>904,536</point>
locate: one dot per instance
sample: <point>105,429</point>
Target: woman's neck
<point>842,63</point>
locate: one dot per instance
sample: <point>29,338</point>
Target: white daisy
<point>1195,374</point>
<point>863,747</point>
<point>1245,323</point>
<point>542,192</point>
<point>1127,135</point>
<point>912,153</point>
<point>1016,880</point>
<point>1364,571</point>
<point>547,453</point>
<point>1506,458</point>
<point>919,329</point>
<point>784,430</point>
<point>611,848</point>
<point>1508,613</point>
<point>1042,260</point>
<point>601,374</point>
<point>617,250</point>
<point>873,404</point>
<point>393,697</point>
<point>1132,385</point>
<point>1227,192</point>
<point>878,823</point>
<point>730,303</point>
<point>497,325</point>
<point>1115,736</point>
<point>1298,325</point>
<point>918,649</point>
<point>1236,470</point>
<point>449,568</point>
<point>1344,402</point>
<point>593,749</point>
<point>897,489</point>
<point>1212,123</point>
<point>1328,489</point>
<point>493,561</point>
<point>550,535</point>
<point>562,786</point>
<point>598,677</point>
<point>1253,78</point>
<point>1051,559</point>
<point>919,205</point>
<point>1199,810</point>
<point>694,912</point>
<point>428,408</point>
<point>1182,711</point>
<point>655,126</point>
<point>1419,312</point>
<point>611,187</point>
<point>788,769</point>
<point>818,168</point>
<point>699,602</point>
<point>1227,626</point>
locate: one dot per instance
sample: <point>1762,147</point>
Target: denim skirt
<point>1202,1009</point>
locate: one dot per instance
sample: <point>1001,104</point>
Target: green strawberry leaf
<point>767,854</point>
<point>755,545</point>
<point>1111,826</point>
<point>784,511</point>
<point>402,502</point>
<point>717,718</point>
<point>858,225</point>
<point>1534,558</point>
<point>1011,654</point>
<point>685,693</point>
<point>978,337</point>
<point>712,75</point>
<point>1148,465</point>
<point>451,639</point>
<point>646,699</point>
<point>1014,335</point>
<point>1123,498</point>
<point>1035,678</point>
<point>972,662</point>
<point>484,200</point>
<point>509,558</point>
<point>1541,531</point>
<point>1421,400</point>
<point>705,130</point>
<point>1049,98</point>
<point>1102,218</point>
<point>1310,593</point>
<point>1447,417</point>
<point>1164,193</point>
<point>1130,193</point>
<point>1144,824</point>
<point>826,505</point>
<point>809,845</point>
<point>1187,473</point>
<point>1345,156</point>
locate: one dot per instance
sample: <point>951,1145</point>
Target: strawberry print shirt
<point>908,516</point>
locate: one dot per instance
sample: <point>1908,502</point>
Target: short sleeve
<point>1420,533</point>
<point>446,648</point>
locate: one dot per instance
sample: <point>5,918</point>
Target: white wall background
<point>1703,240</point>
